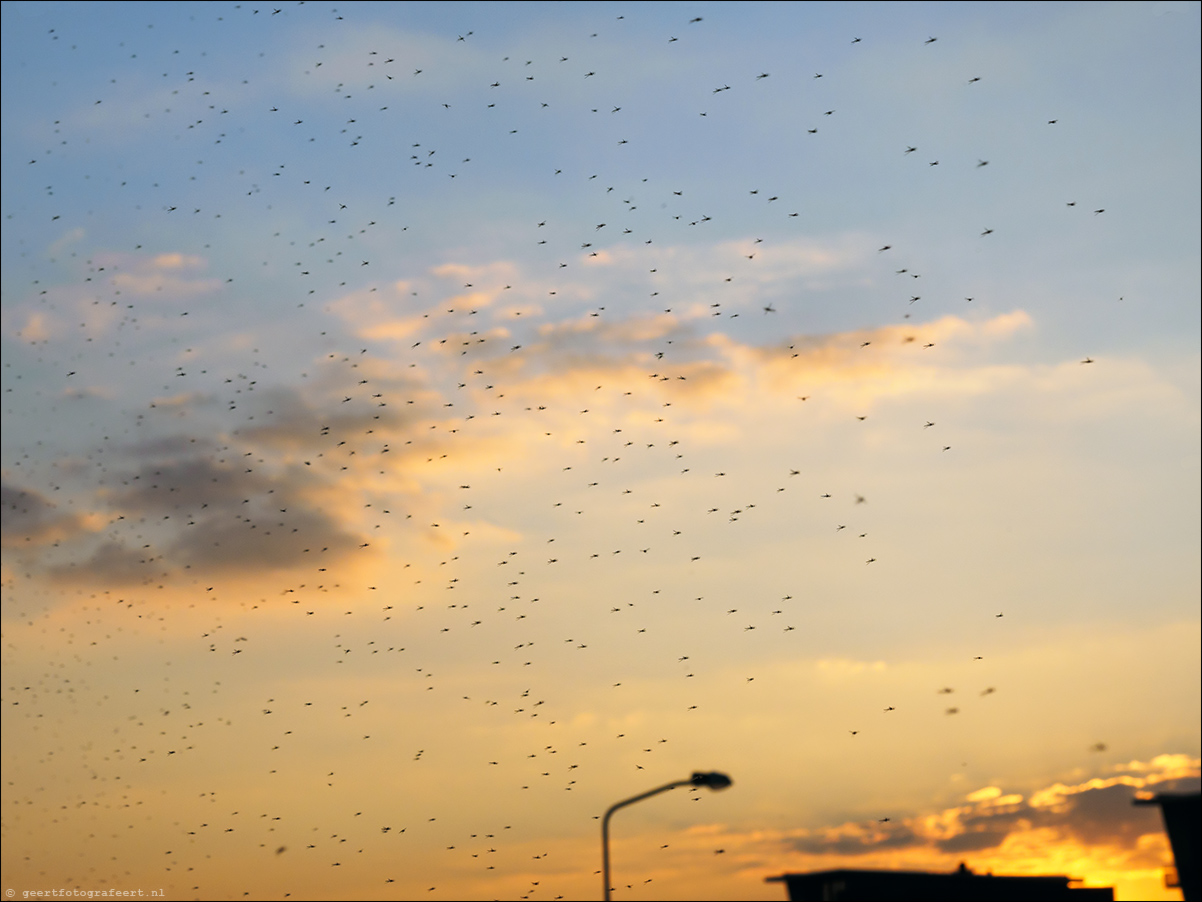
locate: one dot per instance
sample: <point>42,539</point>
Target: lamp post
<point>712,779</point>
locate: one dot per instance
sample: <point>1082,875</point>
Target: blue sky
<point>452,418</point>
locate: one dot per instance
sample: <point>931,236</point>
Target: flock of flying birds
<point>210,472</point>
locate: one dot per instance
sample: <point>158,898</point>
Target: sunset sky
<point>428,424</point>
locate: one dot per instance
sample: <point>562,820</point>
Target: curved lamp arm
<point>712,779</point>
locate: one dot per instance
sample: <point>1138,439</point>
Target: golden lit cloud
<point>1088,830</point>
<point>37,327</point>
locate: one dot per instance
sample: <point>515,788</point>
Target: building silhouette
<point>1182,813</point>
<point>961,885</point>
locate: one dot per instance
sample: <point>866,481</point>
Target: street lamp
<point>712,779</point>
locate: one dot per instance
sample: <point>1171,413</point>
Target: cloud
<point>111,564</point>
<point>185,484</point>
<point>369,426</point>
<point>692,340</point>
<point>356,57</point>
<point>675,358</point>
<point>302,422</point>
<point>857,839</point>
<point>216,506</point>
<point>841,669</point>
<point>68,238</point>
<point>1094,813</point>
<point>37,327</point>
<point>175,260</point>
<point>31,519</point>
<point>148,285</point>
<point>493,273</point>
<point>166,274</point>
<point>254,543</point>
<point>72,308</point>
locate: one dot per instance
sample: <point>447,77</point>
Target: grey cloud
<point>286,418</point>
<point>31,519</point>
<point>229,510</point>
<point>189,483</point>
<point>169,446</point>
<point>1107,815</point>
<point>973,841</point>
<point>230,542</point>
<point>113,564</point>
<point>841,842</point>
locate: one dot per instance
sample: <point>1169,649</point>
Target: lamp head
<point>712,779</point>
